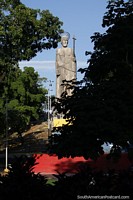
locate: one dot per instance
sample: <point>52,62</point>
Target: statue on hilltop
<point>65,65</point>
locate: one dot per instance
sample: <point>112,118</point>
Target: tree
<point>23,33</point>
<point>101,107</point>
<point>25,104</point>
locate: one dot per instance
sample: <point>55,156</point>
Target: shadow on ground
<point>34,140</point>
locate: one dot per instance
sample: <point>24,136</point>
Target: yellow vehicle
<point>59,122</point>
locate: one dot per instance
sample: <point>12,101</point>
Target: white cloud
<point>49,65</point>
<point>38,64</point>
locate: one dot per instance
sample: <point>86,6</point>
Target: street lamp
<point>6,170</point>
<point>49,107</point>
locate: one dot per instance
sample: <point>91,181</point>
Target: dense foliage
<point>22,183</point>
<point>25,104</point>
<point>23,33</point>
<point>101,107</point>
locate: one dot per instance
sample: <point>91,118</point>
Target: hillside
<point>34,140</point>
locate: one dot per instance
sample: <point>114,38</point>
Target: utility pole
<point>48,114</point>
<point>49,108</point>
<point>6,170</point>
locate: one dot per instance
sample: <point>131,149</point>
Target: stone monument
<point>65,65</point>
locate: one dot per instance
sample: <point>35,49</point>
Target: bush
<point>21,183</point>
<point>90,182</point>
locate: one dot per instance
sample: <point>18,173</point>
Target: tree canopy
<point>23,33</point>
<point>101,107</point>
<point>24,104</point>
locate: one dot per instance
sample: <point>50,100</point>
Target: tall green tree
<point>101,107</point>
<point>27,95</point>
<point>23,33</point>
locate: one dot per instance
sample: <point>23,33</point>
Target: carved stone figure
<point>65,66</point>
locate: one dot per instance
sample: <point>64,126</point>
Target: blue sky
<point>80,18</point>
